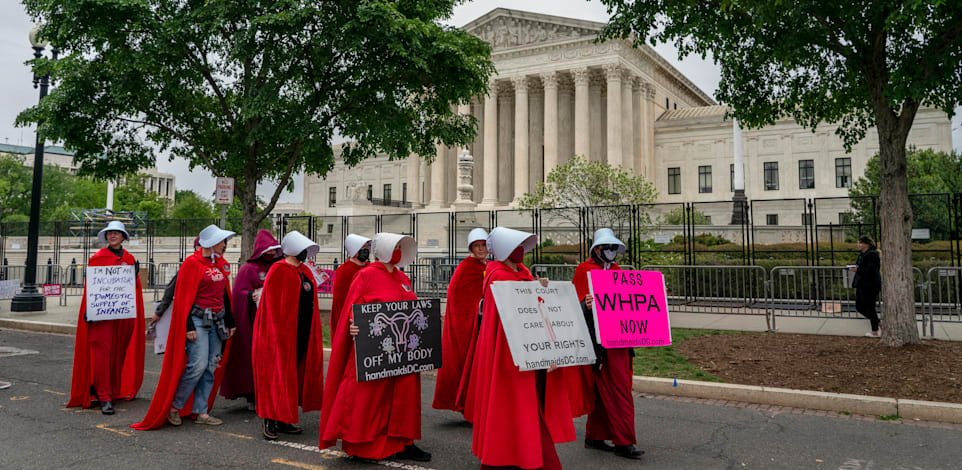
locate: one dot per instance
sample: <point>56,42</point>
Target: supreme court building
<point>558,93</point>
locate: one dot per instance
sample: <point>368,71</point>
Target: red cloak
<point>503,401</point>
<point>460,322</point>
<point>373,419</point>
<point>342,282</point>
<point>175,357</point>
<point>280,385</point>
<point>605,394</point>
<point>132,373</point>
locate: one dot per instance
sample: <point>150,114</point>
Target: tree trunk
<point>898,293</point>
<point>249,222</point>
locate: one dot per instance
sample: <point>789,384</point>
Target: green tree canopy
<point>188,205</point>
<point>931,175</point>
<point>859,64</point>
<point>14,187</point>
<point>254,89</point>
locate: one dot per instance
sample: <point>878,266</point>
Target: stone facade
<point>557,93</point>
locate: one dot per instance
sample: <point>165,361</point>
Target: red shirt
<point>210,292</point>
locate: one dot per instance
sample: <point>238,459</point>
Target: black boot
<point>270,429</point>
<point>628,452</point>
<point>106,407</point>
<point>599,445</point>
<point>288,428</point>
<point>413,452</point>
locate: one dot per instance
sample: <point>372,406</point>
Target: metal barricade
<point>943,287</point>
<point>812,291</point>
<point>741,290</point>
<point>329,266</point>
<point>562,272</point>
<point>430,277</point>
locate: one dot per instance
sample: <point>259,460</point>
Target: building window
<point>843,172</point>
<point>806,174</point>
<point>404,191</point>
<point>666,105</point>
<point>771,219</point>
<point>806,219</point>
<point>731,177</point>
<point>387,192</point>
<point>704,179</point>
<point>370,192</point>
<point>675,105</point>
<point>844,218</point>
<point>707,220</point>
<point>674,180</point>
<point>330,228</point>
<point>332,196</point>
<point>771,176</point>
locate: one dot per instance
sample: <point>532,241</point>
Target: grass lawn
<point>664,361</point>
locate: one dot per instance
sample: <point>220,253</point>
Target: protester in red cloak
<point>460,321</point>
<point>613,414</point>
<point>518,416</point>
<point>380,418</point>
<point>238,375</point>
<point>203,278</point>
<point>358,250</point>
<point>288,350</point>
<point>108,361</point>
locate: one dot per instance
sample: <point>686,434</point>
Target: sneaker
<point>599,445</point>
<point>872,334</point>
<point>270,429</point>
<point>106,407</point>
<point>413,452</point>
<point>628,452</point>
<point>288,428</point>
<point>209,420</point>
<point>173,417</point>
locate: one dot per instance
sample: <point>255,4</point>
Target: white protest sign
<point>543,325</point>
<point>111,292</point>
<point>9,288</point>
<point>162,330</point>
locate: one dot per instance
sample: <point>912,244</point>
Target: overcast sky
<point>18,93</point>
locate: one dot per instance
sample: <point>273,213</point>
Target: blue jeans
<point>203,355</point>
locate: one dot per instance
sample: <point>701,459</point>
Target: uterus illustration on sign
<point>401,337</point>
<point>548,327</point>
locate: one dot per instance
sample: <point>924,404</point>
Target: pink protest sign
<point>323,277</point>
<point>630,308</point>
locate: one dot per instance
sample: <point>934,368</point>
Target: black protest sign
<point>397,338</point>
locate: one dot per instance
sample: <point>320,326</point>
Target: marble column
<point>438,173</point>
<point>550,81</point>
<point>648,128</point>
<point>414,180</point>
<point>613,75</point>
<point>641,167</point>
<point>490,194</point>
<point>582,128</point>
<point>520,137</point>
<point>627,127</point>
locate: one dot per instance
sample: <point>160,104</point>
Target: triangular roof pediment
<point>509,29</point>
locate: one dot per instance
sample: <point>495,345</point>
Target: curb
<point>841,402</point>
<point>38,326</point>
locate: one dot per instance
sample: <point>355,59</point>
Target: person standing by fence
<point>287,351</point>
<point>238,375</point>
<point>358,250</point>
<point>201,324</point>
<point>461,321</point>
<point>867,282</point>
<point>612,414</point>
<point>108,360</point>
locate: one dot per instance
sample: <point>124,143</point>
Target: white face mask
<point>609,255</point>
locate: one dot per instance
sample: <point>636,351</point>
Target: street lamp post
<point>31,299</point>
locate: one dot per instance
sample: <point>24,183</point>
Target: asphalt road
<point>37,432</point>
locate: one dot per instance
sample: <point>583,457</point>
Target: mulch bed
<point>931,371</point>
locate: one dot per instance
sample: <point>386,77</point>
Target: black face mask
<point>302,256</point>
<point>363,254</point>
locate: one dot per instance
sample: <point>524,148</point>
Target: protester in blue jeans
<point>209,324</point>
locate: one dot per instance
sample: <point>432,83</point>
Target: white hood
<point>114,225</point>
<point>384,243</point>
<point>353,243</point>
<point>502,241</point>
<point>212,235</point>
<point>294,243</point>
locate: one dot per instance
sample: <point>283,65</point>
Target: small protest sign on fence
<point>9,288</point>
<point>630,308</point>
<point>51,290</point>
<point>323,277</point>
<point>543,325</point>
<point>397,338</point>
<point>111,293</point>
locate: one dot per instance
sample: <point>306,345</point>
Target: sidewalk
<point>63,319</point>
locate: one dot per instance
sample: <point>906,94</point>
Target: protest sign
<point>51,290</point>
<point>9,288</point>
<point>397,338</point>
<point>111,292</point>
<point>323,277</point>
<point>630,308</point>
<point>543,325</point>
<point>162,330</point>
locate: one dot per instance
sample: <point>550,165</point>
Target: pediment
<point>508,29</point>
